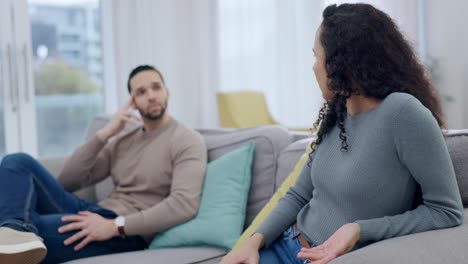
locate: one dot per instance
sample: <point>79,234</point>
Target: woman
<point>379,146</point>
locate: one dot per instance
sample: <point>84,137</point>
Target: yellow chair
<point>245,109</point>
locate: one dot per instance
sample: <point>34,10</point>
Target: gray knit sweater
<point>392,148</point>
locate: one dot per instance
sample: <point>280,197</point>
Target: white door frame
<point>16,77</point>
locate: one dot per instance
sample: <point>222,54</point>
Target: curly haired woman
<point>380,167</point>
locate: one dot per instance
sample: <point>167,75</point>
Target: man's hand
<point>341,242</point>
<point>93,228</point>
<point>118,121</point>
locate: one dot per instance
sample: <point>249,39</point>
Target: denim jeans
<point>283,250</point>
<point>31,198</point>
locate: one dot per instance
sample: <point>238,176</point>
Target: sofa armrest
<point>55,165</point>
<point>432,247</point>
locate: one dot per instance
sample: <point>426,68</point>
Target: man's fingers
<point>132,115</point>
<point>83,243</point>
<point>127,104</point>
<point>132,103</point>
<point>84,213</point>
<point>71,227</point>
<point>72,218</point>
<point>75,237</point>
<point>129,120</point>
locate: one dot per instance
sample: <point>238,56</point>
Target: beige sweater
<point>158,175</point>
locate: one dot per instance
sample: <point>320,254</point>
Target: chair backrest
<point>243,109</point>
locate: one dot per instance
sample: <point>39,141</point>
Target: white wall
<point>447,43</point>
<point>175,37</point>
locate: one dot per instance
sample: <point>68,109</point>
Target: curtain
<point>207,46</point>
<point>267,46</point>
<point>179,38</point>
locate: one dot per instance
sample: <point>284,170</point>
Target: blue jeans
<point>283,250</point>
<point>31,198</point>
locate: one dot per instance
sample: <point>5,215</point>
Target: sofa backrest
<point>457,143</point>
<point>269,141</point>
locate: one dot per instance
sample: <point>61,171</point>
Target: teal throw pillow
<point>221,216</point>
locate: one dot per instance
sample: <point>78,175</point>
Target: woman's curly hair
<point>364,49</point>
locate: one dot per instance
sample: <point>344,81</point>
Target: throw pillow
<point>220,218</point>
<point>266,210</point>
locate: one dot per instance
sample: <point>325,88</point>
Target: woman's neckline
<point>374,109</point>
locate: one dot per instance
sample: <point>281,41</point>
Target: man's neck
<point>150,125</point>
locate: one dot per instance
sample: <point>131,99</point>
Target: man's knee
<point>13,160</point>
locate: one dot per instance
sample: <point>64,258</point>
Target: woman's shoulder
<point>409,112</point>
<point>398,99</point>
<point>399,103</point>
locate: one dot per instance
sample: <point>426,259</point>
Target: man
<point>158,171</point>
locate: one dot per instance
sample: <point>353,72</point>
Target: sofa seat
<point>163,256</point>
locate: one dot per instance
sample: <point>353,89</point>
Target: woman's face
<point>319,67</point>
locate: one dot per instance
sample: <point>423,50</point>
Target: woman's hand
<point>247,253</point>
<point>341,242</point>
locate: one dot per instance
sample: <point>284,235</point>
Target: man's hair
<point>142,68</point>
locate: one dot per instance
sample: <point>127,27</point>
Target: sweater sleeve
<point>89,164</point>
<point>189,169</point>
<point>421,148</point>
<point>285,213</point>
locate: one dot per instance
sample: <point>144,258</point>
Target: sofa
<point>276,152</point>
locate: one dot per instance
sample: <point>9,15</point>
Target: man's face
<point>150,94</point>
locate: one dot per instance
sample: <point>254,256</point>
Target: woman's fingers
<point>311,254</point>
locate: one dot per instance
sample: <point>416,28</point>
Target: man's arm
<point>180,206</point>
<point>90,163</point>
<point>190,160</point>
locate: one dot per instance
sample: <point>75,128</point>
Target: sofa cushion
<point>173,256</point>
<point>288,159</point>
<point>269,141</point>
<point>457,143</point>
<point>270,206</point>
<point>220,219</point>
<point>432,247</point>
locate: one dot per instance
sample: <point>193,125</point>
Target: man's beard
<point>154,117</point>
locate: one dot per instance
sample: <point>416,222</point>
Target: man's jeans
<point>31,198</point>
<point>284,249</point>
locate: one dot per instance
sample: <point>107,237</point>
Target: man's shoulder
<point>183,136</point>
<point>181,130</point>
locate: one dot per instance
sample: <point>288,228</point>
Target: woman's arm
<point>422,149</point>
<point>285,213</point>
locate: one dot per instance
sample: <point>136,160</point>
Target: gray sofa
<point>276,153</point>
